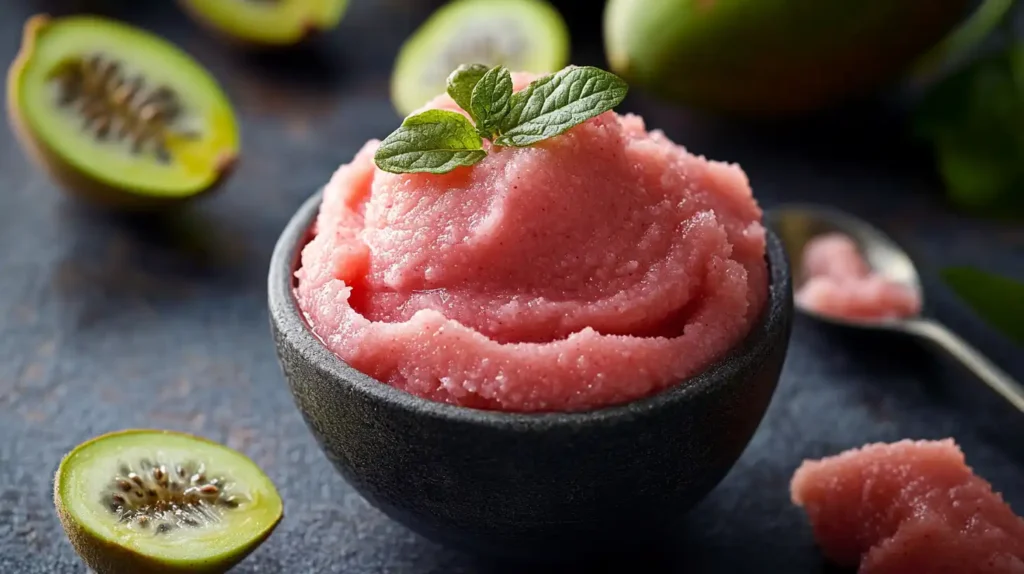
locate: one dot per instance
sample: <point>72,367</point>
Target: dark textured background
<point>108,323</point>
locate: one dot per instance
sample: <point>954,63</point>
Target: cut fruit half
<point>522,35</point>
<point>117,113</point>
<point>269,22</point>
<point>150,500</point>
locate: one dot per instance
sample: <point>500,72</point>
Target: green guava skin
<point>770,57</point>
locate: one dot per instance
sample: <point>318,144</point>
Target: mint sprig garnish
<point>438,141</point>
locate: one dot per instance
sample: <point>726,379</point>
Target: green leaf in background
<point>974,121</point>
<point>551,105</point>
<point>490,102</point>
<point>985,19</point>
<point>461,83</point>
<point>435,141</point>
<point>998,300</point>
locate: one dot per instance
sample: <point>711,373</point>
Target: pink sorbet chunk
<point>839,282</point>
<point>593,268</point>
<point>908,508</point>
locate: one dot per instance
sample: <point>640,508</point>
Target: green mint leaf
<point>996,299</point>
<point>491,99</point>
<point>435,141</point>
<point>551,105</point>
<point>461,83</point>
<point>974,122</point>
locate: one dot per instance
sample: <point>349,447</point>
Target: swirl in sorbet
<point>594,268</point>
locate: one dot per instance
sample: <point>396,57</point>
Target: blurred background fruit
<point>136,122</point>
<point>523,35</point>
<point>767,57</point>
<point>742,59</point>
<point>267,23</point>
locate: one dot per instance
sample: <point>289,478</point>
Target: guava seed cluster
<point>164,497</point>
<point>117,107</point>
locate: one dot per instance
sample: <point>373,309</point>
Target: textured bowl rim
<point>295,331</point>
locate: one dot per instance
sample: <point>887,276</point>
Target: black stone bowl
<point>530,486</point>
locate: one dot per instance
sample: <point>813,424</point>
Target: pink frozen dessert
<point>593,268</point>
<point>909,508</point>
<point>837,281</point>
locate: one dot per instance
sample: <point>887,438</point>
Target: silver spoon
<point>797,224</point>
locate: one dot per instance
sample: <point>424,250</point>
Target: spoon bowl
<point>797,224</point>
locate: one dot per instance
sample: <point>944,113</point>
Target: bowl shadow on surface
<point>546,487</point>
<point>684,559</point>
<point>114,262</point>
<point>684,552</point>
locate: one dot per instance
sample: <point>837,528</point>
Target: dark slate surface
<point>106,323</point>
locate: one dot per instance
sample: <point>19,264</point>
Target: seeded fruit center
<point>165,497</point>
<point>498,43</point>
<point>117,107</point>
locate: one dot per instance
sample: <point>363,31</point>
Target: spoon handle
<point>989,373</point>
